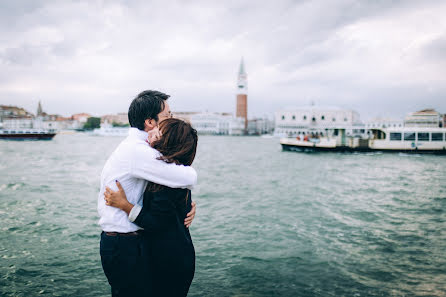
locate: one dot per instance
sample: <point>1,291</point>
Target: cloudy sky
<point>378,57</point>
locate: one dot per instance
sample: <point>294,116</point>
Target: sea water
<point>268,223</point>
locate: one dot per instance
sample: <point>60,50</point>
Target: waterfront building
<point>428,118</point>
<point>384,123</point>
<point>119,118</point>
<point>242,95</point>
<point>184,115</point>
<point>23,122</point>
<point>213,123</point>
<point>13,117</point>
<point>28,122</point>
<point>68,123</point>
<point>47,121</point>
<point>59,123</point>
<point>81,117</point>
<point>13,112</point>
<point>217,123</point>
<point>260,126</point>
<point>316,119</point>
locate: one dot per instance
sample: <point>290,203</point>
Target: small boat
<point>403,140</point>
<point>27,134</point>
<point>107,129</point>
<point>111,131</point>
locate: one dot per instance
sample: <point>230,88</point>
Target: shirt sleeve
<point>134,212</point>
<point>145,165</point>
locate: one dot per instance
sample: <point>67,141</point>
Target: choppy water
<point>269,223</point>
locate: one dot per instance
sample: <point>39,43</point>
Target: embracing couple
<point>145,204</point>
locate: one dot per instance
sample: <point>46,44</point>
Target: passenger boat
<point>111,131</point>
<point>27,134</point>
<point>406,140</point>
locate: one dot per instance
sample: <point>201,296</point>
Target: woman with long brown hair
<point>167,246</point>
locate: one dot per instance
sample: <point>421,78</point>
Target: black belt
<point>134,233</point>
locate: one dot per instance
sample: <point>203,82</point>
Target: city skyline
<point>380,59</point>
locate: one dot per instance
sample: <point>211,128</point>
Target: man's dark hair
<point>147,105</point>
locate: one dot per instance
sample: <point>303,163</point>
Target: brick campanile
<point>242,95</point>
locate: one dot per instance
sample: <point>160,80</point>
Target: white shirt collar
<point>139,134</point>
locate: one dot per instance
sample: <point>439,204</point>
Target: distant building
<point>24,122</point>
<point>216,123</point>
<point>242,95</point>
<point>13,117</point>
<point>47,121</point>
<point>444,120</point>
<point>260,126</point>
<point>213,123</point>
<point>13,112</point>
<point>428,118</point>
<point>81,117</point>
<point>315,119</point>
<point>384,123</point>
<point>185,116</point>
<point>120,118</point>
<point>68,123</point>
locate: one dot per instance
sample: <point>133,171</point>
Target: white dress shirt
<point>133,163</point>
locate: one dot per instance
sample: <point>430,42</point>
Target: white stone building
<point>119,118</point>
<point>18,123</point>
<point>184,115</point>
<point>259,126</point>
<point>217,123</point>
<point>428,118</point>
<point>315,119</point>
<point>46,123</point>
<point>12,117</point>
<point>8,112</point>
<point>384,123</point>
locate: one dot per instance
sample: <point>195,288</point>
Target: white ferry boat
<point>111,131</point>
<point>27,134</point>
<point>405,139</point>
<point>107,129</point>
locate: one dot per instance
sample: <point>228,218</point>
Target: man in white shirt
<point>133,163</point>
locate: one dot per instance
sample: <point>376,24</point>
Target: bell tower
<point>242,94</point>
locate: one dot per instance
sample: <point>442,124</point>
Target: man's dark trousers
<point>121,258</point>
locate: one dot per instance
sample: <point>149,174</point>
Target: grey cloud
<point>65,49</point>
<point>308,24</point>
<point>22,55</point>
<point>436,50</point>
<point>12,10</point>
<point>108,51</point>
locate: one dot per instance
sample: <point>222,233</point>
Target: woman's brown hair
<point>177,144</point>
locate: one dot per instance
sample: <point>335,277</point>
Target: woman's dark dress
<point>167,246</point>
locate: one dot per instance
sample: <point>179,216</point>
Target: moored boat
<point>403,139</point>
<point>107,129</point>
<point>27,134</point>
<point>111,131</point>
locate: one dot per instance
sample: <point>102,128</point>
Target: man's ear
<point>149,124</point>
